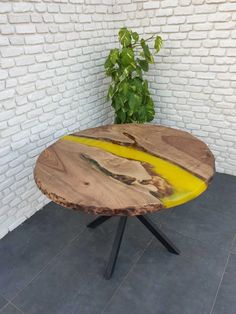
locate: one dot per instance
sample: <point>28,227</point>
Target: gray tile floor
<point>53,264</point>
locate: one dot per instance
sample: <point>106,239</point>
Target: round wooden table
<point>125,170</point>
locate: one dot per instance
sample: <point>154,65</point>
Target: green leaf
<point>137,82</point>
<point>124,37</point>
<point>135,36</point>
<point>143,64</point>
<point>150,112</point>
<point>158,43</point>
<point>125,74</point>
<point>118,102</point>
<point>127,56</point>
<point>145,86</point>
<point>110,71</point>
<point>122,116</point>
<point>124,88</point>
<point>139,71</point>
<point>108,63</point>
<point>110,92</point>
<point>147,54</point>
<point>114,55</point>
<point>135,101</point>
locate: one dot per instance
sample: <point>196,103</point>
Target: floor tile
<point>234,245</point>
<point>3,301</point>
<point>26,250</point>
<point>226,302</point>
<point>220,195</point>
<point>10,309</point>
<point>202,223</point>
<point>75,283</point>
<point>164,283</point>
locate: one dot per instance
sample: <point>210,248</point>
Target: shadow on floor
<point>53,264</point>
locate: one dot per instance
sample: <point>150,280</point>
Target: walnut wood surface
<point>93,180</point>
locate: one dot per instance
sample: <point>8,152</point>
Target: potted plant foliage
<point>128,91</point>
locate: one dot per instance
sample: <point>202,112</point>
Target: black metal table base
<point>149,224</point>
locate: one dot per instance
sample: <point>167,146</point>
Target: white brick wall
<point>194,80</point>
<point>52,80</point>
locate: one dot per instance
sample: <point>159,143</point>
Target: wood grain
<point>177,146</point>
<point>94,180</point>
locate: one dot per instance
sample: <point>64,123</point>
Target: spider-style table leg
<point>116,247</point>
<point>159,234</point>
<point>98,221</point>
<point>119,235</point>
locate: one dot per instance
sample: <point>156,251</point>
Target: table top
<point>125,169</point>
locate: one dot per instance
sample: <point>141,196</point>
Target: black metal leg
<point>159,234</point>
<point>98,221</point>
<point>116,247</point>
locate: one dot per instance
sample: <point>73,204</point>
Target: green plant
<point>128,90</point>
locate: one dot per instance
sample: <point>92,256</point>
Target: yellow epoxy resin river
<point>186,186</point>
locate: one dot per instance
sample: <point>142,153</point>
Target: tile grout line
<point>221,279</point>
<point>125,277</point>
<point>196,239</point>
<point>9,302</point>
<point>4,306</point>
<point>46,265</point>
<point>17,307</point>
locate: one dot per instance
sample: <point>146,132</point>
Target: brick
<point>176,20</point>
<point>17,71</point>
<point>196,19</point>
<point>25,29</point>
<point>206,8</point>
<point>41,7</point>
<point>3,19</point>
<point>19,18</point>
<point>33,49</point>
<point>197,35</point>
<point>34,40</point>
<point>8,132</point>
<point>228,6</point>
<point>53,7</point>
<point>25,60</point>
<point>12,51</point>
<point>170,28</point>
<point>5,7</point>
<point>7,29</point>
<point>17,40</point>
<point>5,115</point>
<point>219,17</point>
<point>61,18</point>
<point>67,8</point>
<point>84,18</point>
<point>6,94</point>
<point>36,18</point>
<point>4,41</point>
<point>151,5</point>
<point>25,89</point>
<point>22,7</point>
<point>184,11</point>
<point>3,74</point>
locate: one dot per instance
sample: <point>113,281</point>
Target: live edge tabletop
<point>128,169</point>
